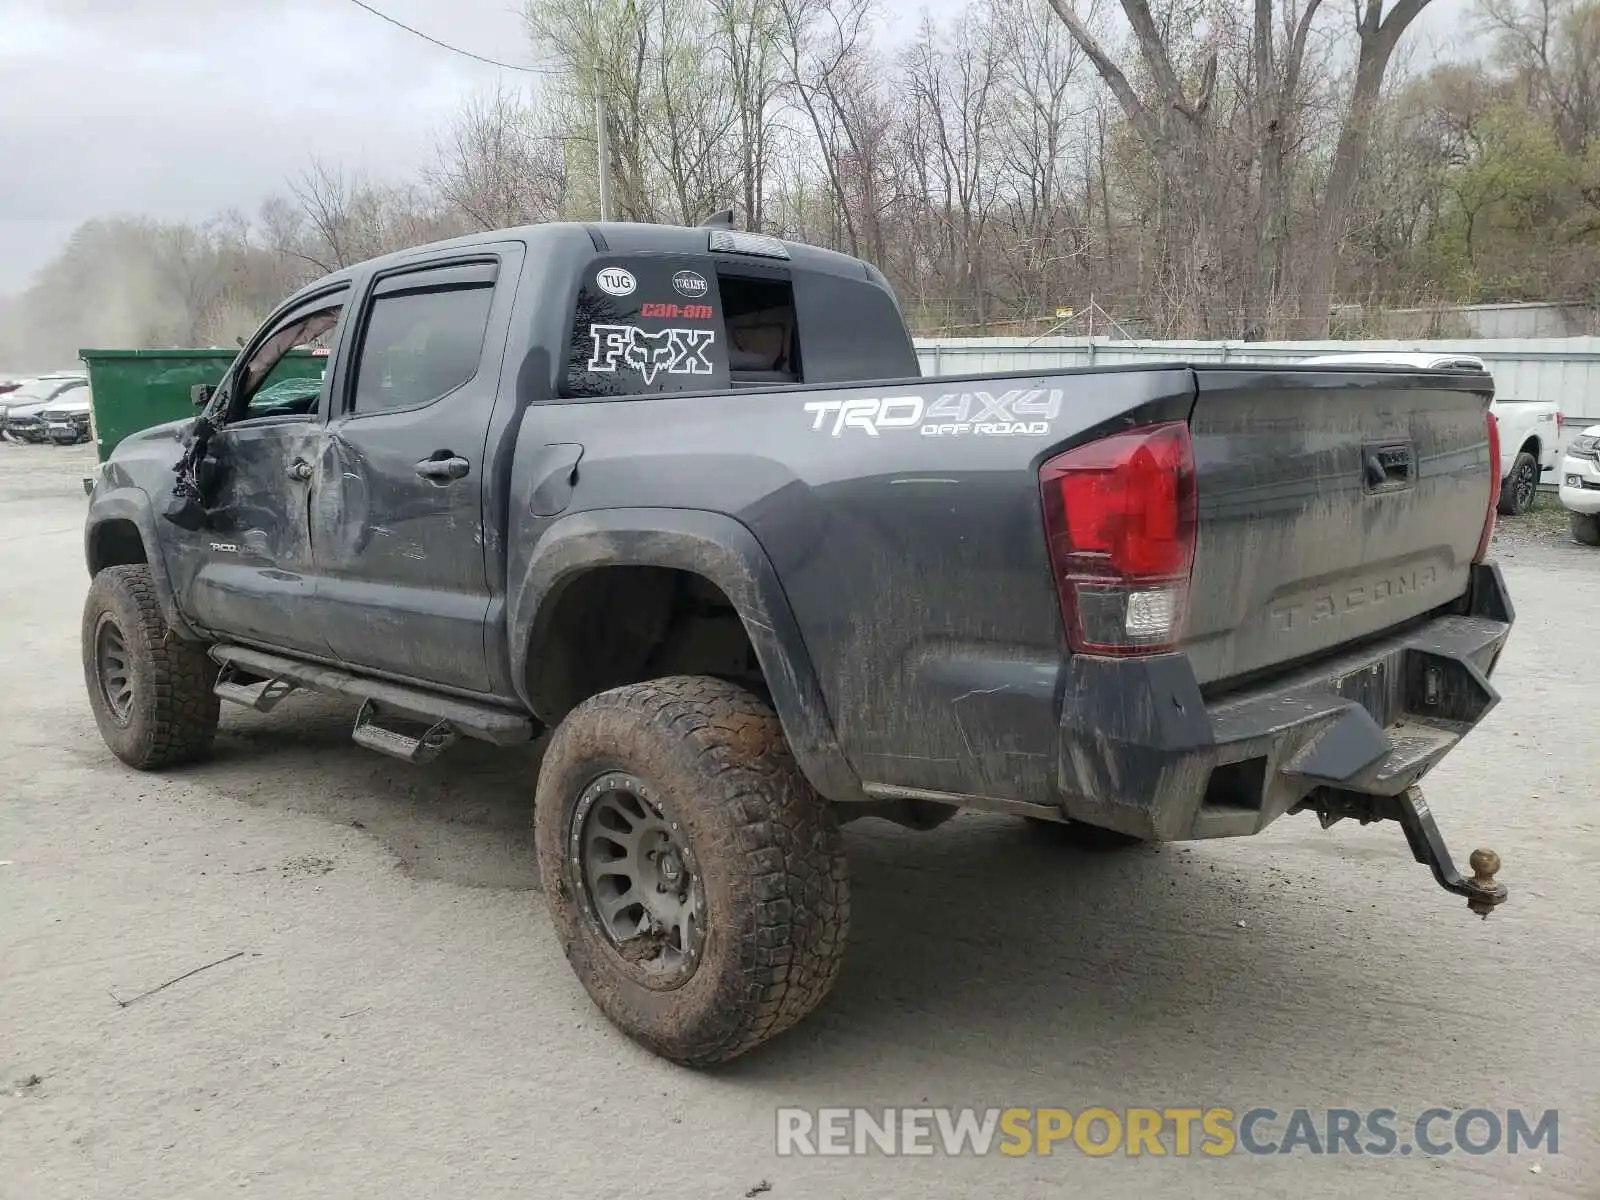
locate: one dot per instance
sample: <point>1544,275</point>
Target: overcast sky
<point>183,108</point>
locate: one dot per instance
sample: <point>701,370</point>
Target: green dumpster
<point>132,390</point>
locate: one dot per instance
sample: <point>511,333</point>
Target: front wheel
<point>1586,528</point>
<point>1519,489</point>
<point>696,879</point>
<point>150,691</point>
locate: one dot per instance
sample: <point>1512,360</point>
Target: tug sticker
<point>1017,413</point>
<point>691,284</point>
<point>669,351</point>
<point>616,281</point>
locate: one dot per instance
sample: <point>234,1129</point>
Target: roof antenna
<point>719,220</point>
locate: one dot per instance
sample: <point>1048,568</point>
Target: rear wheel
<point>150,691</point>
<point>1586,528</point>
<point>695,878</point>
<point>1520,487</point>
<point>1081,836</point>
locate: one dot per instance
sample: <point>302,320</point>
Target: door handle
<point>444,467</point>
<point>299,470</point>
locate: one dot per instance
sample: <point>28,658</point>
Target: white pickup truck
<point>1580,486</point>
<point>1530,430</point>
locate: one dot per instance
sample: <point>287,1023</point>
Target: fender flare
<point>722,551</point>
<point>132,504</point>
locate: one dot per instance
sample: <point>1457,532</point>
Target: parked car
<point>681,496</point>
<point>1530,430</point>
<point>23,420</point>
<point>1580,486</point>
<point>67,417</point>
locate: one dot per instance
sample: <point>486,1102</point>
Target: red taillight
<point>1119,516</point>
<point>1561,420</point>
<point>1494,489</point>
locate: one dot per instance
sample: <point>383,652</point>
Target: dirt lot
<point>400,1021</point>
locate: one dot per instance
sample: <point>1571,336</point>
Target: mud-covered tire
<point>766,850</point>
<point>1520,487</point>
<point>170,712</point>
<point>1081,836</point>
<point>1585,528</point>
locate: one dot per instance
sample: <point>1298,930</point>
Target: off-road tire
<point>766,847</point>
<point>172,717</point>
<point>1585,528</point>
<point>1510,503</point>
<point>1079,835</point>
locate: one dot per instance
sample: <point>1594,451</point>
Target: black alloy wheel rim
<point>114,669</point>
<point>637,879</point>
<point>1527,483</point>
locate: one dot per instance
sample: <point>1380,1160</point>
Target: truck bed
<point>904,520</point>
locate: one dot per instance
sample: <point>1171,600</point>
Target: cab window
<point>285,373</point>
<point>646,326</point>
<point>423,338</point>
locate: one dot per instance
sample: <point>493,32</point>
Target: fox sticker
<point>672,351</point>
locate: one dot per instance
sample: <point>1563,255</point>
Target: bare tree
<point>1377,35</point>
<point>826,46</point>
<point>1553,49</point>
<point>1189,166</point>
<point>749,36</point>
<point>1044,126</point>
<point>497,166</point>
<point>1174,121</point>
<point>953,83</point>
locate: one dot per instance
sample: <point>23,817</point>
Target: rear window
<point>676,323</point>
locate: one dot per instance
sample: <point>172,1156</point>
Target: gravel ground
<point>400,1022</point>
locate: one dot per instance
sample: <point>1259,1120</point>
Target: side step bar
<point>423,748</point>
<point>262,695</point>
<point>447,717</point>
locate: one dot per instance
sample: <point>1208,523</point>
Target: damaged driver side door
<point>254,577</point>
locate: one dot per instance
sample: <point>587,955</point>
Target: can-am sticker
<point>669,351</point>
<point>691,284</point>
<point>616,281</point>
<point>1017,413</point>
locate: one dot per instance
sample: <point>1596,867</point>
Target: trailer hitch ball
<point>1485,866</point>
<point>1484,894</point>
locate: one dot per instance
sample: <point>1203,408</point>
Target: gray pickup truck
<point>680,496</point>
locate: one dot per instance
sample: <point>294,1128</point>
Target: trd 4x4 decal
<point>673,351</point>
<point>1017,413</point>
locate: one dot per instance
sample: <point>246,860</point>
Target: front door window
<point>284,375</point>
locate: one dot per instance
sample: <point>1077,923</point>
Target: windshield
<point>38,390</point>
<point>76,395</point>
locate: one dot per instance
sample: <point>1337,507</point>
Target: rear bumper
<point>1145,752</point>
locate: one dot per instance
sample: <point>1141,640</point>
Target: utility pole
<point>603,142</point>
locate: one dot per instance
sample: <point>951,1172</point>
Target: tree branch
<point>1133,108</point>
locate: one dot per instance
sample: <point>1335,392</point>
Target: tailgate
<point>1333,504</point>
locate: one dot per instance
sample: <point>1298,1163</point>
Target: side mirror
<point>200,394</point>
